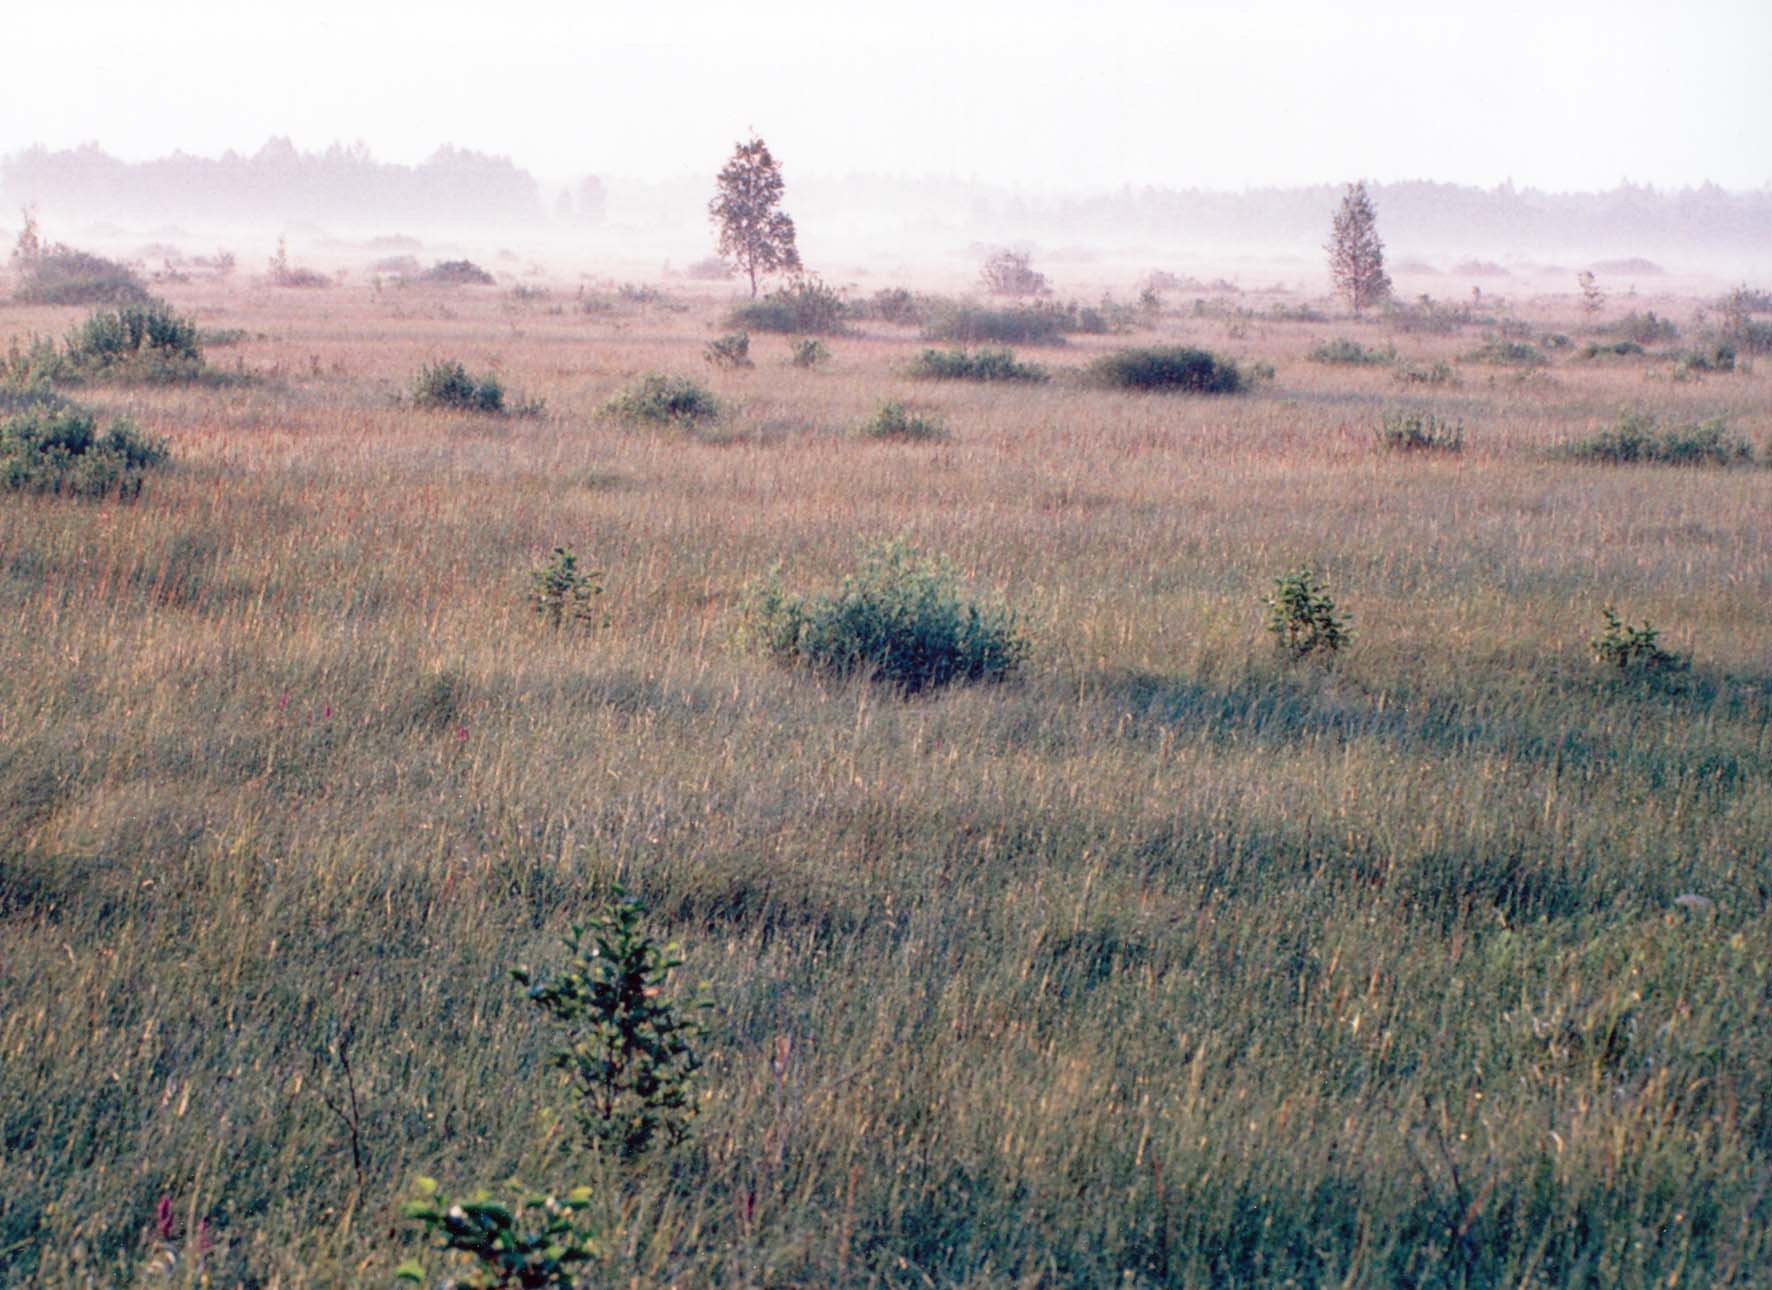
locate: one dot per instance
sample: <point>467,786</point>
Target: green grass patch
<point>1640,438</point>
<point>1176,368</point>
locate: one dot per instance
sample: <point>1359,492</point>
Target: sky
<point>1566,96</point>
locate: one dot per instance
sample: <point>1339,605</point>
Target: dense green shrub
<point>1302,615</point>
<point>445,386</point>
<point>1638,438</point>
<point>1162,367</point>
<point>457,273</point>
<point>147,334</point>
<point>965,323</point>
<point>980,365</point>
<point>660,399</point>
<point>1343,350</point>
<point>48,445</point>
<point>901,619</point>
<point>1508,353</point>
<point>893,420</point>
<point>729,351</point>
<point>1419,432</point>
<point>806,305</point>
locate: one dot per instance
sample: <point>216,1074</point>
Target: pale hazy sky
<point>1576,94</point>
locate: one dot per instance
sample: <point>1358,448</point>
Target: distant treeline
<point>277,184</point>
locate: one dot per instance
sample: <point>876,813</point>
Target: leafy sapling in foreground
<point>538,1241</point>
<point>1302,615</point>
<point>626,1051</point>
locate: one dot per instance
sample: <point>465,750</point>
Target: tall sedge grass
<point>1166,963</point>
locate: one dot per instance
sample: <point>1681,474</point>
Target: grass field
<point>1168,962</point>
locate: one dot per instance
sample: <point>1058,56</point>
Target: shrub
<point>1645,329</point>
<point>1636,438</point>
<point>537,1241</point>
<point>1419,432</point>
<point>61,275</point>
<point>51,446</point>
<point>458,273</point>
<point>893,420</point>
<point>1612,349</point>
<point>1508,353</point>
<point>729,351</point>
<point>900,619</point>
<point>445,386</point>
<point>284,274</point>
<point>1343,350</point>
<point>893,305</point>
<point>1302,616</point>
<point>626,1044</point>
<point>1011,273</point>
<point>1719,356</point>
<point>660,399</point>
<point>1437,373</point>
<point>806,305</point>
<point>982,365</point>
<point>1167,368</point>
<point>147,335</point>
<point>560,592</point>
<point>809,352</point>
<point>1633,651</point>
<point>969,324</point>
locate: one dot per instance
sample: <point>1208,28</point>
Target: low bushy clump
<point>1508,353</point>
<point>1435,373</point>
<point>147,334</point>
<point>806,305</point>
<point>969,324</point>
<point>897,305</point>
<point>901,619</point>
<point>1612,349</point>
<point>1166,367</point>
<point>1420,432</point>
<point>1343,350</point>
<point>561,593</point>
<point>980,365</point>
<point>1012,273</point>
<point>61,275</point>
<point>1634,651</point>
<point>285,274</point>
<point>445,386</point>
<point>729,351</point>
<point>661,399</point>
<point>1638,438</point>
<point>457,273</point>
<point>1719,356</point>
<point>1644,329</point>
<point>48,445</point>
<point>893,420</point>
<point>809,352</point>
<point>136,342</point>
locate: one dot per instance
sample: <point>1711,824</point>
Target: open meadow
<point>1168,960</point>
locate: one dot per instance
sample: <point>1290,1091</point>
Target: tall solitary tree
<point>1356,255</point>
<point>754,234</point>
